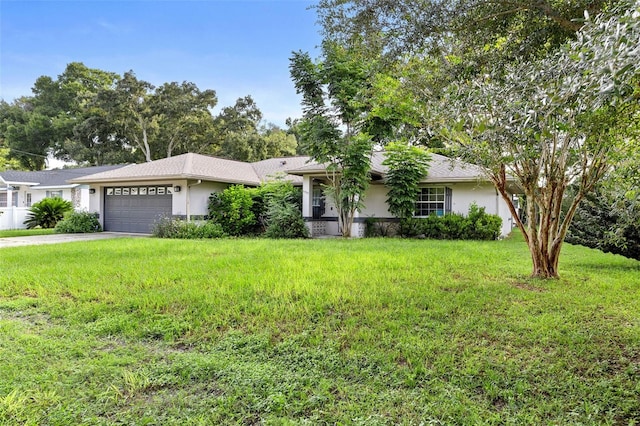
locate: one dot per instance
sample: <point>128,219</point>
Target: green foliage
<point>476,225</point>
<point>550,122</point>
<point>284,220</point>
<point>283,211</point>
<point>78,223</point>
<point>609,222</point>
<point>351,332</point>
<point>47,212</point>
<point>172,228</point>
<point>482,226</point>
<point>272,209</point>
<point>27,131</point>
<point>232,209</point>
<point>334,127</point>
<point>407,166</point>
<point>240,135</point>
<point>479,32</point>
<point>6,162</point>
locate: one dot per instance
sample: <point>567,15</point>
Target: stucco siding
<point>484,195</point>
<point>199,196</point>
<point>375,202</point>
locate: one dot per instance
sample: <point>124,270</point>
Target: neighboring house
<point>19,190</point>
<point>450,187</point>
<point>132,198</point>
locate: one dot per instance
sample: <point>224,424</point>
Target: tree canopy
<point>96,117</point>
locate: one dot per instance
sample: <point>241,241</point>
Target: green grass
<point>24,232</point>
<point>146,331</point>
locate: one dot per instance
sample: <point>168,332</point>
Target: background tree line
<point>96,117</point>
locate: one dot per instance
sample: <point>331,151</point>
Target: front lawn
<point>24,232</point>
<point>148,331</point>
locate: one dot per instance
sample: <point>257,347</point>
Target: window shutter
<point>447,200</point>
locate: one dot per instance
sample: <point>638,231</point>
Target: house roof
<point>47,179</point>
<point>274,167</point>
<point>197,166</point>
<point>441,169</point>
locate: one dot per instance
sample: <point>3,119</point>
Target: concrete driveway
<point>63,238</point>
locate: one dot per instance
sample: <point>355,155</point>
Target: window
<point>433,201</point>
<point>28,199</point>
<point>54,194</point>
<point>3,199</point>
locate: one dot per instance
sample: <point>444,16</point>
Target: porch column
<point>11,207</point>
<point>307,202</point>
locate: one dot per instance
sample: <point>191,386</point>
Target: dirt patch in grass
<point>523,285</point>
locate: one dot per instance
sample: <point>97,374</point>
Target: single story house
<point>132,198</point>
<point>20,189</point>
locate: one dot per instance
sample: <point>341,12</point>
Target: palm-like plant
<point>47,213</point>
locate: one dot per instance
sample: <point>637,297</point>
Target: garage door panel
<point>131,209</point>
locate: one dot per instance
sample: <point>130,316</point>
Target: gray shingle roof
<point>52,178</point>
<point>274,167</point>
<point>441,169</point>
<point>196,166</point>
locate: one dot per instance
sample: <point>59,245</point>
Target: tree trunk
<point>545,263</point>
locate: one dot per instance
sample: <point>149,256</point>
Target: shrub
<point>434,227</point>
<point>374,227</point>
<point>78,223</point>
<point>285,221</point>
<point>273,208</point>
<point>282,216</point>
<point>477,225</point>
<point>454,226</point>
<point>232,209</point>
<point>482,226</point>
<point>411,227</point>
<point>180,229</point>
<point>47,213</point>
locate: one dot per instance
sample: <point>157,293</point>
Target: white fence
<point>13,217</point>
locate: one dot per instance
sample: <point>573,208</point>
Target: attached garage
<point>135,208</point>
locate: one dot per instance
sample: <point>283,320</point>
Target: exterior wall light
<point>176,189</point>
<point>92,190</point>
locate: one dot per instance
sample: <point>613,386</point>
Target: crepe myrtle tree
<point>551,123</point>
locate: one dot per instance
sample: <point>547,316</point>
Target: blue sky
<point>235,47</point>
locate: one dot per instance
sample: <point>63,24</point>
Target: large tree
<point>26,133</point>
<point>241,135</point>
<point>69,103</point>
<point>507,28</point>
<point>184,117</point>
<point>158,122</point>
<point>550,123</point>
